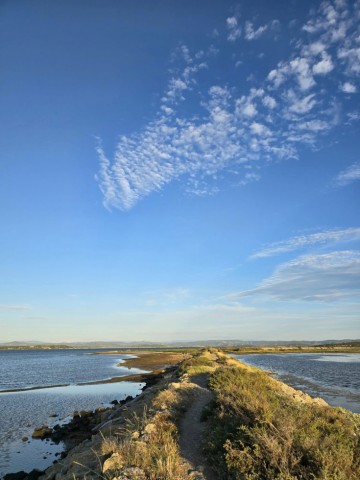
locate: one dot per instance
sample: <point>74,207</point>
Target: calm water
<point>333,377</point>
<point>22,411</point>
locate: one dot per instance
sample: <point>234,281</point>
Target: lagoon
<point>23,410</point>
<point>333,377</point>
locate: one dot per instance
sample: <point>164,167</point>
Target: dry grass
<point>155,451</point>
<point>150,441</point>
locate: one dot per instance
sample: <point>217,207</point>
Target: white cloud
<point>315,48</point>
<point>300,105</point>
<point>305,241</point>
<point>167,110</point>
<point>349,175</point>
<point>301,68</point>
<point>351,57</point>
<point>176,87</point>
<point>348,87</point>
<point>228,128</point>
<point>249,110</point>
<point>326,277</point>
<point>251,33</point>
<point>259,129</point>
<point>324,66</point>
<point>314,125</point>
<point>234,30</point>
<point>277,76</point>
<point>269,101</point>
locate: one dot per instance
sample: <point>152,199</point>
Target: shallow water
<point>22,411</point>
<point>33,368</point>
<point>333,377</point>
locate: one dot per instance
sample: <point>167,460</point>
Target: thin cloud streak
<point>303,241</point>
<point>349,175</point>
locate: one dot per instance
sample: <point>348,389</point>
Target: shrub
<point>258,433</point>
<point>196,364</point>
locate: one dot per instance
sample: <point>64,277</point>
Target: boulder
<point>41,432</point>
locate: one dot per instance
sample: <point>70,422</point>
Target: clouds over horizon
<point>312,276</point>
<point>321,277</point>
<point>231,133</point>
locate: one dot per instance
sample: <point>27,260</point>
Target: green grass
<point>258,433</point>
<point>198,363</point>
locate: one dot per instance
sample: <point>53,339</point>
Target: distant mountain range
<point>195,343</point>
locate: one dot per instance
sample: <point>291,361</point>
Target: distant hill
<point>196,343</point>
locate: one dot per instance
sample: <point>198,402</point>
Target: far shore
<point>154,362</point>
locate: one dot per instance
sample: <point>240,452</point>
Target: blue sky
<point>176,170</point>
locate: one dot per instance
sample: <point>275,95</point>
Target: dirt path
<point>193,431</point>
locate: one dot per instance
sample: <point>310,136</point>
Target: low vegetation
<point>200,362</point>
<point>259,433</point>
<point>257,429</point>
<point>350,347</point>
<point>148,448</point>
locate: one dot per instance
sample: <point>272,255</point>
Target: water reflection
<point>25,410</point>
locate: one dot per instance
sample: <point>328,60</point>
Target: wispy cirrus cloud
<point>302,241</point>
<point>349,175</point>
<point>325,277</point>
<point>225,130</point>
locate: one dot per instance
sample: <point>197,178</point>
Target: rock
<point>112,463</point>
<point>85,413</point>
<point>25,439</point>
<point>53,415</point>
<point>41,432</point>
<point>114,402</point>
<point>133,473</point>
<point>33,475</point>
<point>16,476</point>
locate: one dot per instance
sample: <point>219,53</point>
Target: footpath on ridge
<point>162,426</point>
<point>193,430</point>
